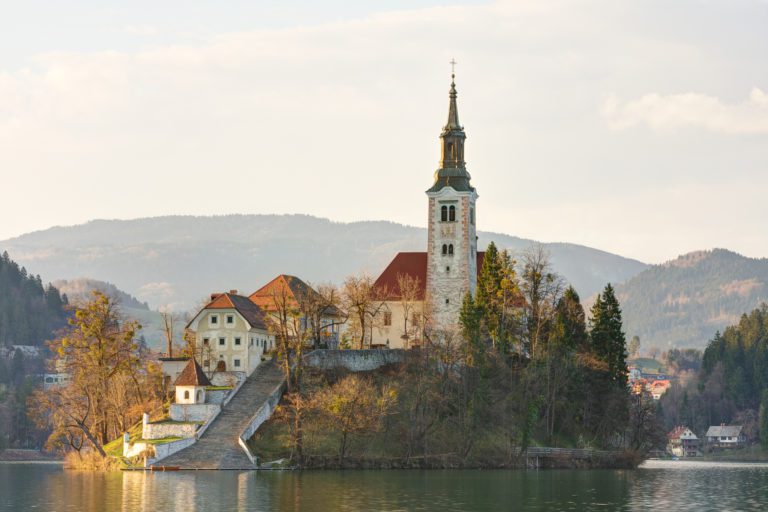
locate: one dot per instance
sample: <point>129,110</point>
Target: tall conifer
<point>608,340</point>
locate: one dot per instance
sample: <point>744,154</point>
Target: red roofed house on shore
<point>682,442</point>
<point>230,333</point>
<point>450,266</point>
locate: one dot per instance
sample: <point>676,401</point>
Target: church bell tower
<point>452,240</point>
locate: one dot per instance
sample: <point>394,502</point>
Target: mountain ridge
<point>176,260</point>
<point>684,301</point>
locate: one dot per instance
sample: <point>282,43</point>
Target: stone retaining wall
<point>216,396</point>
<point>168,429</point>
<point>353,360</point>
<point>227,378</point>
<point>194,412</point>
<point>262,414</point>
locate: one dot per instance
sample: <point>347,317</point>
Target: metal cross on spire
<point>453,67</point>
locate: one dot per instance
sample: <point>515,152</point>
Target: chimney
<point>233,292</point>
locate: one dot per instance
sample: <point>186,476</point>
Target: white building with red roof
<point>230,333</point>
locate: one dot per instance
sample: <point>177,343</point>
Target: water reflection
<point>670,486</point>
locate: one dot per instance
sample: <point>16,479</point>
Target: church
<point>440,277</point>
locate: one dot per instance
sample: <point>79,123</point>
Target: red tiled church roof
<point>413,264</point>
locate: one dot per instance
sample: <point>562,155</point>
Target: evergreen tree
<point>488,285</point>
<point>470,321</point>
<point>764,420</point>
<point>569,327</point>
<point>608,341</point>
<point>29,312</point>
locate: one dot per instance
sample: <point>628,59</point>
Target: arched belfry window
<point>452,214</point>
<point>186,395</point>
<point>444,213</point>
<point>450,250</point>
<point>445,249</point>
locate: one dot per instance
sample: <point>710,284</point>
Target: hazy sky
<point>638,127</point>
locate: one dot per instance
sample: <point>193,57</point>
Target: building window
<point>237,341</point>
<point>447,301</point>
<point>186,395</point>
<point>472,216</point>
<point>222,341</point>
<point>447,269</point>
<point>452,214</point>
<point>205,341</point>
<point>206,363</point>
<point>444,213</point>
<point>199,396</point>
<point>230,319</point>
<point>445,249</point>
<point>387,318</point>
<point>450,250</point>
<point>237,363</point>
<point>214,319</point>
<point>250,344</point>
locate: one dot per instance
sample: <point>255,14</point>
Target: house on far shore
<point>726,436</point>
<point>682,442</point>
<point>658,388</point>
<point>230,334</point>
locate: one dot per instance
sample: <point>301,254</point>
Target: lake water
<point>664,486</point>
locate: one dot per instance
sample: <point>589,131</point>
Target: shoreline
<point>39,462</point>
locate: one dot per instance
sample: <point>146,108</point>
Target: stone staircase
<point>218,447</point>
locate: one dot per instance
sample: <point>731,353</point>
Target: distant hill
<point>682,303</point>
<point>179,260</point>
<point>80,289</point>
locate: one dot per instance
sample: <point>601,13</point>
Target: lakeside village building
<point>231,330</point>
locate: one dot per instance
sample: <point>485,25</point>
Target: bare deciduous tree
<point>354,406</point>
<point>408,290</point>
<point>112,380</point>
<point>541,288</point>
<point>362,302</point>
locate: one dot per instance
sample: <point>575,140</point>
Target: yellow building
<point>230,333</point>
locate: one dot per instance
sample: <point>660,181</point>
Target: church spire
<point>453,110</point>
<point>453,170</point>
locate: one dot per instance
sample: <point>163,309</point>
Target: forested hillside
<point>732,385</point>
<point>29,311</point>
<point>683,302</point>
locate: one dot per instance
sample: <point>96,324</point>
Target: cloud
<point>328,118</point>
<point>139,30</point>
<point>690,110</point>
